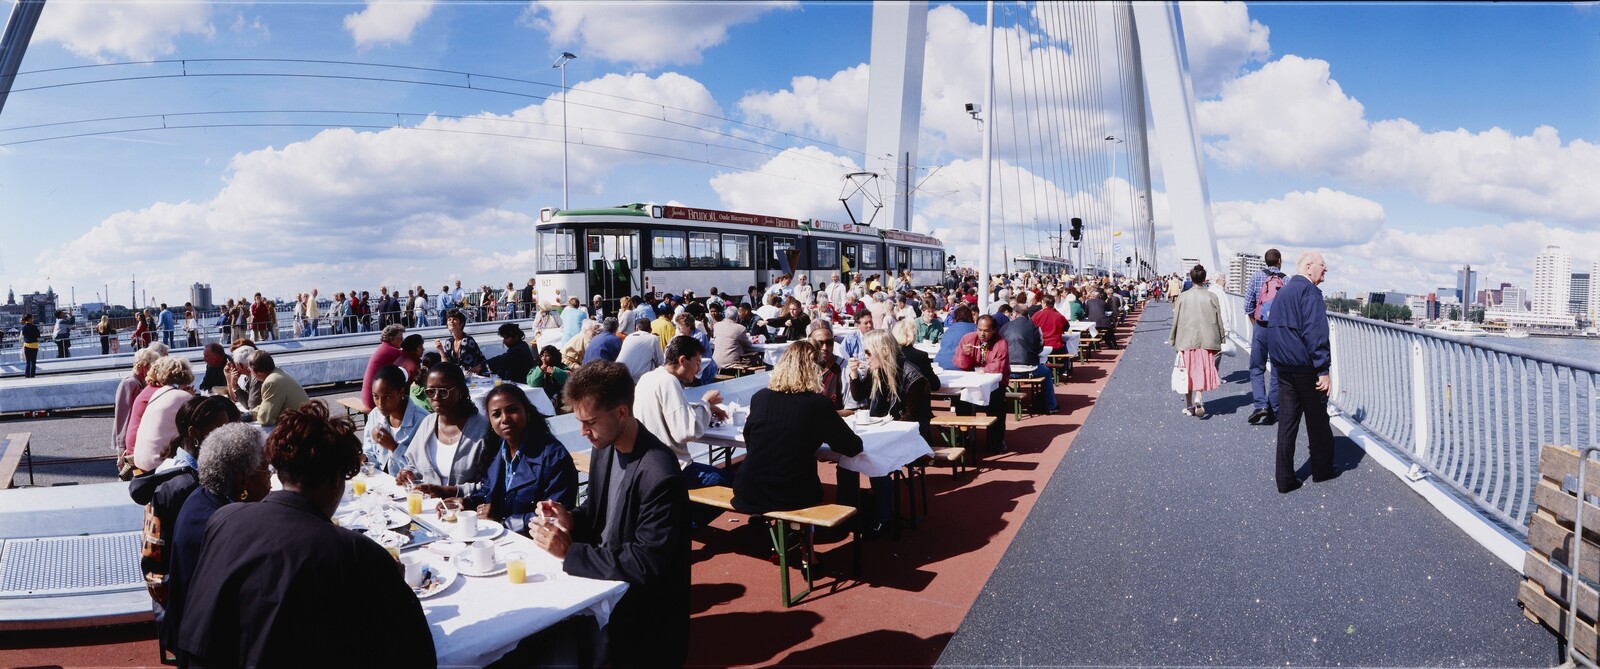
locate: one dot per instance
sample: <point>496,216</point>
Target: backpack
<point>1267,293</point>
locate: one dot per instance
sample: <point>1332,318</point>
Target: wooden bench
<point>1024,393</point>
<point>1545,591</point>
<point>807,520</point>
<point>744,368</point>
<point>1086,346</point>
<point>16,446</point>
<point>959,430</point>
<point>354,410</point>
<point>1059,364</point>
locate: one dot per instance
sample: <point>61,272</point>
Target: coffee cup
<point>466,525</point>
<point>478,555</point>
<point>413,565</point>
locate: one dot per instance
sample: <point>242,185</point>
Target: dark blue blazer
<point>1297,335</point>
<point>543,470</point>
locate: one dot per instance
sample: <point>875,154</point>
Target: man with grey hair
<point>1297,342</point>
<point>242,386</point>
<point>605,345</point>
<point>279,391</point>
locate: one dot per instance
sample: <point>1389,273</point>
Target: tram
<point>1041,264</point>
<point>639,248</point>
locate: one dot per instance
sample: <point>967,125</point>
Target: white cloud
<point>1220,38</point>
<point>387,21</point>
<point>1319,219</point>
<point>408,203</point>
<point>129,29</point>
<point>798,183</point>
<point>1289,115</point>
<point>833,110</point>
<point>646,34</point>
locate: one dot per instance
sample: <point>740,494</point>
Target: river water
<point>1576,348</point>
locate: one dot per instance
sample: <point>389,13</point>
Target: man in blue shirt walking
<point>1297,340</point>
<point>1263,381</point>
<point>167,325</point>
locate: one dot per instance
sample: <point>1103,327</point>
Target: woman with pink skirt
<point>1197,333</point>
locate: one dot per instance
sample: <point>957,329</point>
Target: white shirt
<point>662,407</point>
<point>640,353</point>
<point>443,455</point>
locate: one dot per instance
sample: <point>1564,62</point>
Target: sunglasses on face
<point>437,393</point>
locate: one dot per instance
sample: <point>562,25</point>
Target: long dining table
<point>476,620</point>
<point>886,445</point>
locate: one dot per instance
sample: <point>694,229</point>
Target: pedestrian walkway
<point>1161,540</point>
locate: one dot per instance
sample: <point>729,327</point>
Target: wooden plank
<point>1555,584</point>
<point>1549,496</point>
<point>825,515</point>
<point>581,461</point>
<point>11,456</point>
<point>1559,462</point>
<point>1548,537</point>
<point>719,496</point>
<point>963,421</point>
<point>1534,601</point>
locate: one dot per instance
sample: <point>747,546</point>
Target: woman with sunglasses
<point>448,456</point>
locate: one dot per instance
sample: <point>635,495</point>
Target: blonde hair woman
<point>127,408</point>
<point>172,379</point>
<point>789,420</point>
<point>889,386</point>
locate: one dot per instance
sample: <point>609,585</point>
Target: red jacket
<point>994,358</point>
<point>1051,324</point>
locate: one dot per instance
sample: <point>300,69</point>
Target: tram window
<point>781,246</point>
<point>827,254</point>
<point>557,246</point>
<point>736,251</point>
<point>902,257</point>
<point>703,250</point>
<point>869,256</point>
<point>668,250</point>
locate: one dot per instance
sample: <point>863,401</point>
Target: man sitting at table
<point>662,408</point>
<point>1026,347</point>
<point>985,351</point>
<point>633,526</point>
<point>641,350</point>
<point>1051,326</point>
<point>731,343</point>
<point>851,344</point>
<point>605,346</point>
<point>832,366</point>
<point>279,391</point>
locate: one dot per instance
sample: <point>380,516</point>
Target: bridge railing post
<point>1419,401</point>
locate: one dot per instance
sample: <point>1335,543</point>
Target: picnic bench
<point>16,446</point>
<point>354,410</point>
<point>779,524</point>
<point>1059,364</point>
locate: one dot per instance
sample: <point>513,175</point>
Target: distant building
<point>1552,281</point>
<point>1241,267</point>
<point>1420,305</point>
<point>1594,294</point>
<point>1512,298</point>
<point>1433,306</point>
<point>1387,297</point>
<point>1466,283</point>
<point>42,306</point>
<point>1578,294</point>
<point>200,296</point>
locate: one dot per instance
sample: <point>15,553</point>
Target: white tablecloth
<point>771,352</point>
<point>974,387</point>
<point>1070,342</point>
<point>548,337</point>
<point>478,620</point>
<point>480,396</point>
<point>885,447</point>
<point>927,347</point>
<point>1083,327</point>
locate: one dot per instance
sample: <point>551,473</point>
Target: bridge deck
<point>1161,540</point>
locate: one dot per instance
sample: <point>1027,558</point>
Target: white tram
<point>1041,264</point>
<point>639,248</point>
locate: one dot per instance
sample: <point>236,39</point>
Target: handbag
<point>1180,376</point>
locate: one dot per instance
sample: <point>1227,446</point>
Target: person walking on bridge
<point>1259,294</point>
<point>1297,341</point>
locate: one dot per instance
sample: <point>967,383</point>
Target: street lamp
<point>561,64</point>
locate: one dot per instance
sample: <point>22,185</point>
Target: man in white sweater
<point>641,351</point>
<point>661,405</point>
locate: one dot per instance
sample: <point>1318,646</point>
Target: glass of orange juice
<point>414,503</point>
<point>359,485</point>
<point>517,567</point>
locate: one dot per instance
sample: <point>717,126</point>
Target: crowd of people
<point>243,576</point>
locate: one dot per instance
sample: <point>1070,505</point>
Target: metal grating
<point>79,565</point>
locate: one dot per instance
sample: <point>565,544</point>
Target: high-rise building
<point>200,296</point>
<point>1513,298</point>
<point>1552,281</point>
<point>1578,294</point>
<point>1241,267</point>
<point>1466,284</point>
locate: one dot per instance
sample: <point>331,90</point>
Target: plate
<point>439,579</point>
<point>388,539</point>
<point>487,529</point>
<point>446,549</point>
<point>361,519</point>
<point>497,569</point>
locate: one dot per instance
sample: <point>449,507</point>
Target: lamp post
<point>561,64</point>
<point>1111,242</point>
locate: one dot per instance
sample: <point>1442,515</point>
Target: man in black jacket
<point>1297,341</point>
<point>633,526</point>
<point>1025,346</point>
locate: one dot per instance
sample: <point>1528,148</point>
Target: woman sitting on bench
<point>789,420</point>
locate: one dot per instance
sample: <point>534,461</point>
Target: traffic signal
<point>1077,229</point>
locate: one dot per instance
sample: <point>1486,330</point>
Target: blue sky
<point>285,209</point>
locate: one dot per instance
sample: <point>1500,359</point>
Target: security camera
<point>974,109</point>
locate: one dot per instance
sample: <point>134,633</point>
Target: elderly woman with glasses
<point>448,456</point>
<point>277,578</point>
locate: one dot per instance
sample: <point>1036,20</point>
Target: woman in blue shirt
<point>392,422</point>
<point>531,465</point>
<point>961,324</point>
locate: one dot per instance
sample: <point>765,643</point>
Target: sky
<point>271,148</point>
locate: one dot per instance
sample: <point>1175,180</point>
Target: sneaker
<point>1255,418</point>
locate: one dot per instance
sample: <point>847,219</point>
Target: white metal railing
<point>1472,413</point>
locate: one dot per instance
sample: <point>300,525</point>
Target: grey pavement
<point>63,443</point>
<point>1161,539</point>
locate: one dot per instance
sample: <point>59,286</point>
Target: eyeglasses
<point>436,393</point>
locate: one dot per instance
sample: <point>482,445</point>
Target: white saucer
<point>487,529</point>
<point>498,568</point>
